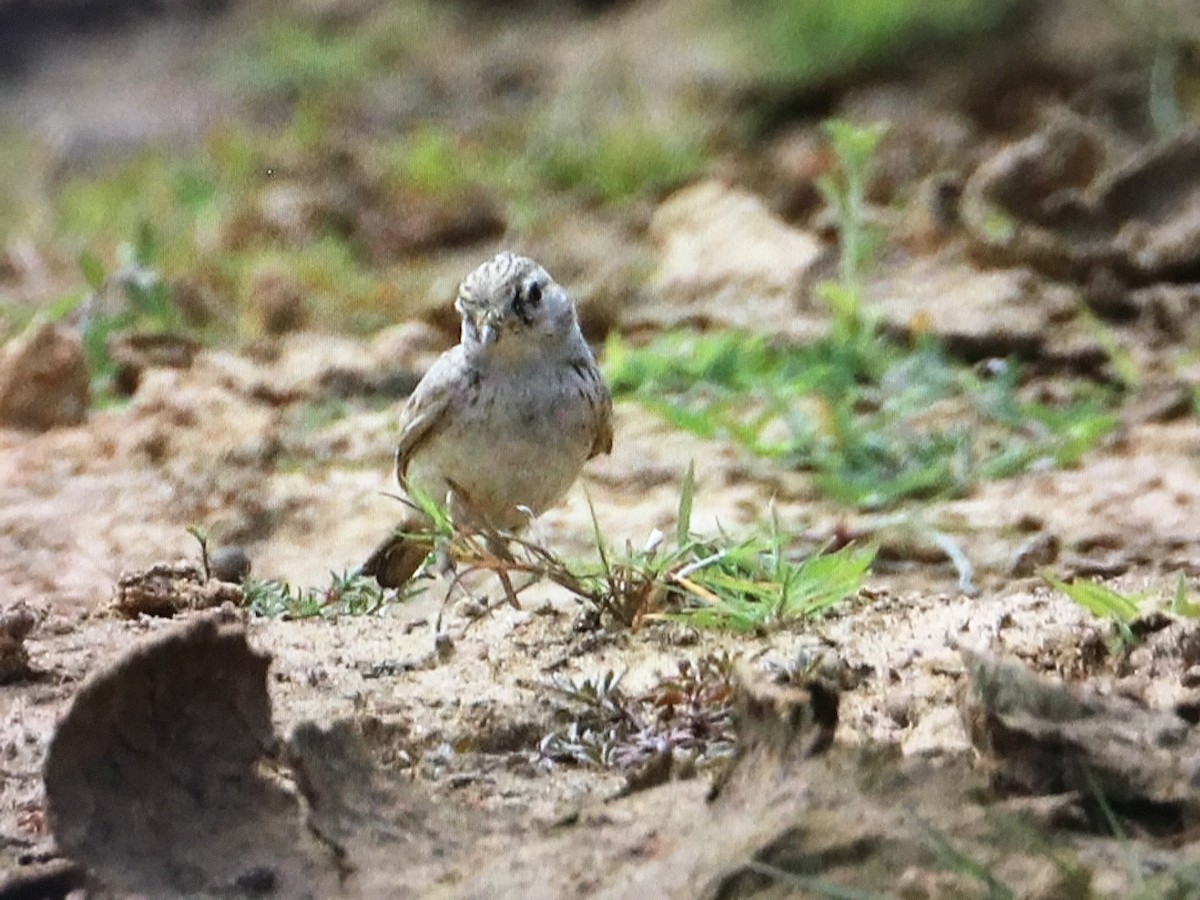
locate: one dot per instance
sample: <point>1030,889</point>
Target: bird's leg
<point>498,547</point>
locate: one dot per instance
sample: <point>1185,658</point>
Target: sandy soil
<point>439,754</point>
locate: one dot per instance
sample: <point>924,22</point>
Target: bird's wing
<point>603,441</point>
<point>600,400</point>
<point>424,413</point>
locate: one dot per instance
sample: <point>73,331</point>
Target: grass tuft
<point>622,161</point>
<point>740,584</point>
<point>1124,610</point>
<point>347,594</point>
<point>810,42</point>
<point>690,711</point>
<point>875,423</point>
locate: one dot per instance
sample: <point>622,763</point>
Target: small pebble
<point>229,564</point>
<point>1039,551</point>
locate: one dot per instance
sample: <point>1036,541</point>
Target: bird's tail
<point>395,560</point>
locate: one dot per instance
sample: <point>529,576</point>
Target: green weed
<point>875,423</point>
<point>325,60</point>
<point>433,161</point>
<point>297,59</point>
<point>1147,880</point>
<point>755,584</point>
<point>740,584</point>
<point>952,859</point>
<point>201,536</point>
<point>609,142</point>
<point>621,161</point>
<point>1181,604</point>
<point>346,595</point>
<point>182,198</point>
<point>844,191</point>
<point>142,301</point>
<point>690,710</point>
<point>1102,602</point>
<point>1018,834</point>
<point>1123,610</point>
<point>812,41</point>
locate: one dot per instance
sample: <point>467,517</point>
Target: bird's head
<point>511,306</point>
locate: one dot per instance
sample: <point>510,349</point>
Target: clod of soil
<point>15,626</point>
<point>169,588</point>
<point>416,223</point>
<point>134,352</point>
<point>44,380</point>
<point>154,778</point>
<point>726,259</point>
<point>1040,738</point>
<point>1054,201</point>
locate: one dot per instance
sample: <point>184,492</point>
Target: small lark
<point>500,426</point>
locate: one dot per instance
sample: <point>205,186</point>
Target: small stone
<point>412,346</point>
<point>136,352</point>
<point>1039,551</point>
<point>165,589</point>
<point>15,625</point>
<point>229,564</point>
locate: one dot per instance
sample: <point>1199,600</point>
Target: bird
<point>501,424</point>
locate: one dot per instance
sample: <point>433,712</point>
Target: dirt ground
<point>219,753</point>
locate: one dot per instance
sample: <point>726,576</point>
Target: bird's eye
<point>533,295</point>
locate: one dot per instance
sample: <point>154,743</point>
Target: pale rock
<point>725,259</point>
<point>979,314</point>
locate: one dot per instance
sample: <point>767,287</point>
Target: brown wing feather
<point>598,397</point>
<point>424,414</point>
<point>603,409</point>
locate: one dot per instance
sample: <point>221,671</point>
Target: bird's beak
<point>490,332</point>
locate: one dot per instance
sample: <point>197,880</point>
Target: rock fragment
<point>165,589</point>
<point>15,625</point>
<point>44,379</point>
<point>726,259</point>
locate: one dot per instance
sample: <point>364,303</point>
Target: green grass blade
<point>683,523</point>
<point>1097,599</point>
<point>1180,604</point>
<point>598,534</point>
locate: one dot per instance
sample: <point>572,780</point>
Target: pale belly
<point>523,452</point>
